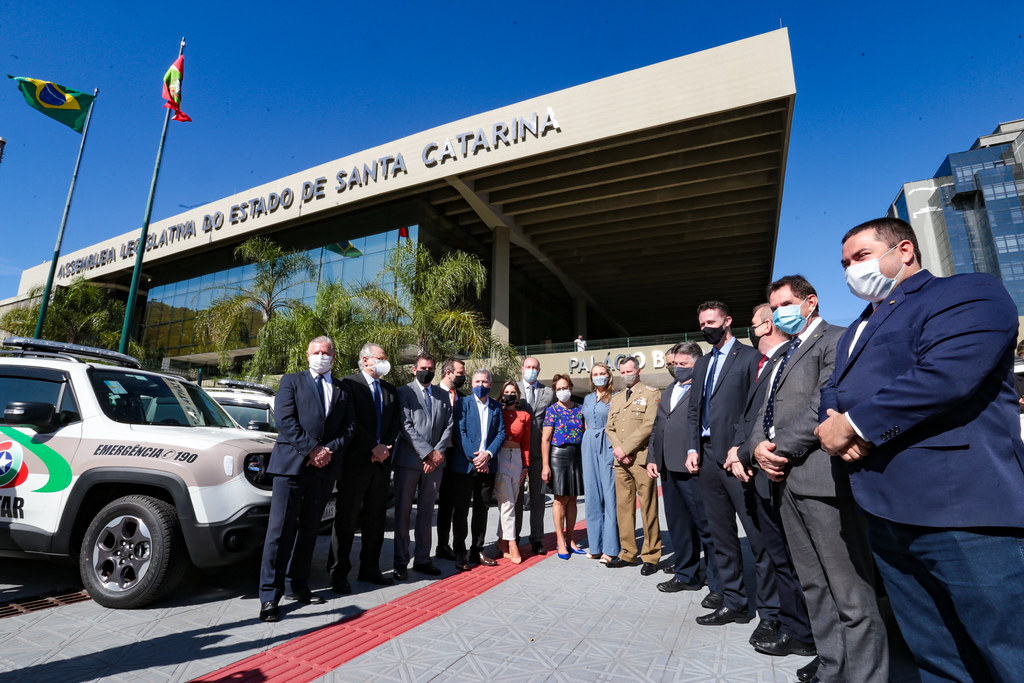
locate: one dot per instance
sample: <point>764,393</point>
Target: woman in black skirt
<point>563,462</point>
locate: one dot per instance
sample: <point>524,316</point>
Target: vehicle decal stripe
<point>60,470</point>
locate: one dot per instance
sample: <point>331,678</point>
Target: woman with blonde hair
<point>513,463</point>
<point>563,464</point>
<point>598,469</point>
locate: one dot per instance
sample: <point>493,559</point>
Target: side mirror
<point>256,426</point>
<point>40,416</point>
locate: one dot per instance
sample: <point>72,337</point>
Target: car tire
<point>133,552</point>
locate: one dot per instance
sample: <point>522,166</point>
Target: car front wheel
<point>133,552</point>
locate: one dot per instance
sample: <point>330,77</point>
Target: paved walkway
<point>545,620</point>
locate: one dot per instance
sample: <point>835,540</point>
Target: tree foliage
<point>231,317</point>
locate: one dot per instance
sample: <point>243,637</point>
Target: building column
<point>581,315</point>
<point>500,284</point>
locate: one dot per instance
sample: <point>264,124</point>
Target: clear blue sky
<point>884,92</point>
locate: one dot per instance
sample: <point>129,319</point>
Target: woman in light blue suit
<point>598,474</point>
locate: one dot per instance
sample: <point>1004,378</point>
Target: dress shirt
<point>481,409</point>
<point>326,391</point>
<point>678,391</point>
<point>452,394</point>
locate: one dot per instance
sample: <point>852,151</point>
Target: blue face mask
<point>481,392</point>
<point>788,318</point>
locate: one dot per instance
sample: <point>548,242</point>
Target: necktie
<point>629,392</point>
<point>451,392</point>
<point>376,403</point>
<point>760,365</point>
<point>769,408</point>
<point>531,394</point>
<point>426,396</point>
<point>320,390</point>
<point>709,388</point>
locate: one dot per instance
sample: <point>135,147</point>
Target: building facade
<point>970,216</point>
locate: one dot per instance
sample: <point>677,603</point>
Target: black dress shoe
<point>712,600</point>
<point>306,597</point>
<point>767,629</point>
<point>538,548</point>
<point>444,552</point>
<point>784,644</point>
<point>807,672</point>
<point>401,573</point>
<point>269,611</point>
<point>485,560</point>
<point>461,564</point>
<point>377,579</point>
<point>341,586</point>
<point>618,562</point>
<point>675,585</point>
<point>723,616</point>
<point>648,568</point>
<point>427,568</point>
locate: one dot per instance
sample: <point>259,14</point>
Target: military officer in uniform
<point>630,421</point>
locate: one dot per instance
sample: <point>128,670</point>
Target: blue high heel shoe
<point>566,556</point>
<point>578,551</point>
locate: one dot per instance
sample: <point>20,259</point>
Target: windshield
<point>247,412</point>
<point>138,398</point>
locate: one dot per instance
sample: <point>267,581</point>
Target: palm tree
<point>281,344</point>
<point>232,316</point>
<point>81,313</point>
<point>418,302</point>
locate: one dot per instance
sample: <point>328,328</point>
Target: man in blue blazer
<point>922,404</point>
<point>314,417</point>
<point>480,427</point>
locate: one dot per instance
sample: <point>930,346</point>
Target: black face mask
<point>683,374</point>
<point>458,381</point>
<point>755,338</point>
<point>508,400</point>
<point>424,376</point>
<point>713,335</point>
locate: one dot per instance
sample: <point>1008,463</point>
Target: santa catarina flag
<point>172,88</point>
<point>68,106</point>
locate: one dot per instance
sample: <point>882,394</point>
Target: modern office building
<point>969,217</point>
<point>610,208</point>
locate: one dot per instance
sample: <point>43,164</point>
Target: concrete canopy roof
<point>657,186</point>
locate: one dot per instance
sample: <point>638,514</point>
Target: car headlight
<point>255,469</point>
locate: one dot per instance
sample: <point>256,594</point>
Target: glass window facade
<point>169,322</point>
<point>984,215</point>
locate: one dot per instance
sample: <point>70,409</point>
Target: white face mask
<point>564,395</point>
<point>320,363</point>
<point>530,376</point>
<point>600,380</point>
<point>382,367</point>
<point>866,281</point>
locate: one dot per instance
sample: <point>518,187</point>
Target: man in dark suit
<point>921,401</point>
<point>366,472</point>
<point>480,431</point>
<point>534,399</point>
<point>721,384</point>
<point>791,632</point>
<point>666,458</point>
<point>453,378</point>
<point>419,462</point>
<point>314,418</point>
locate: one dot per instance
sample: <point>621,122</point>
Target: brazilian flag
<point>68,106</point>
<point>344,248</point>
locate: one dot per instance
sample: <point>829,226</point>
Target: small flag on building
<point>344,248</point>
<point>172,88</point>
<point>68,106</point>
<point>403,232</point>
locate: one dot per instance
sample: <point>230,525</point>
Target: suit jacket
<point>750,432</point>
<point>728,398</point>
<point>302,423</point>
<point>424,428</point>
<point>467,423</point>
<point>631,422</point>
<point>365,436</point>
<point>812,471</point>
<point>929,384</point>
<point>545,397</point>
<point>667,448</point>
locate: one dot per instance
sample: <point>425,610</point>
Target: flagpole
<point>63,222</point>
<point>137,271</point>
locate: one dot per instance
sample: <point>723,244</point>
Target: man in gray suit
<point>426,413</point>
<point>535,399</point>
<point>825,530</point>
<point>666,458</point>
